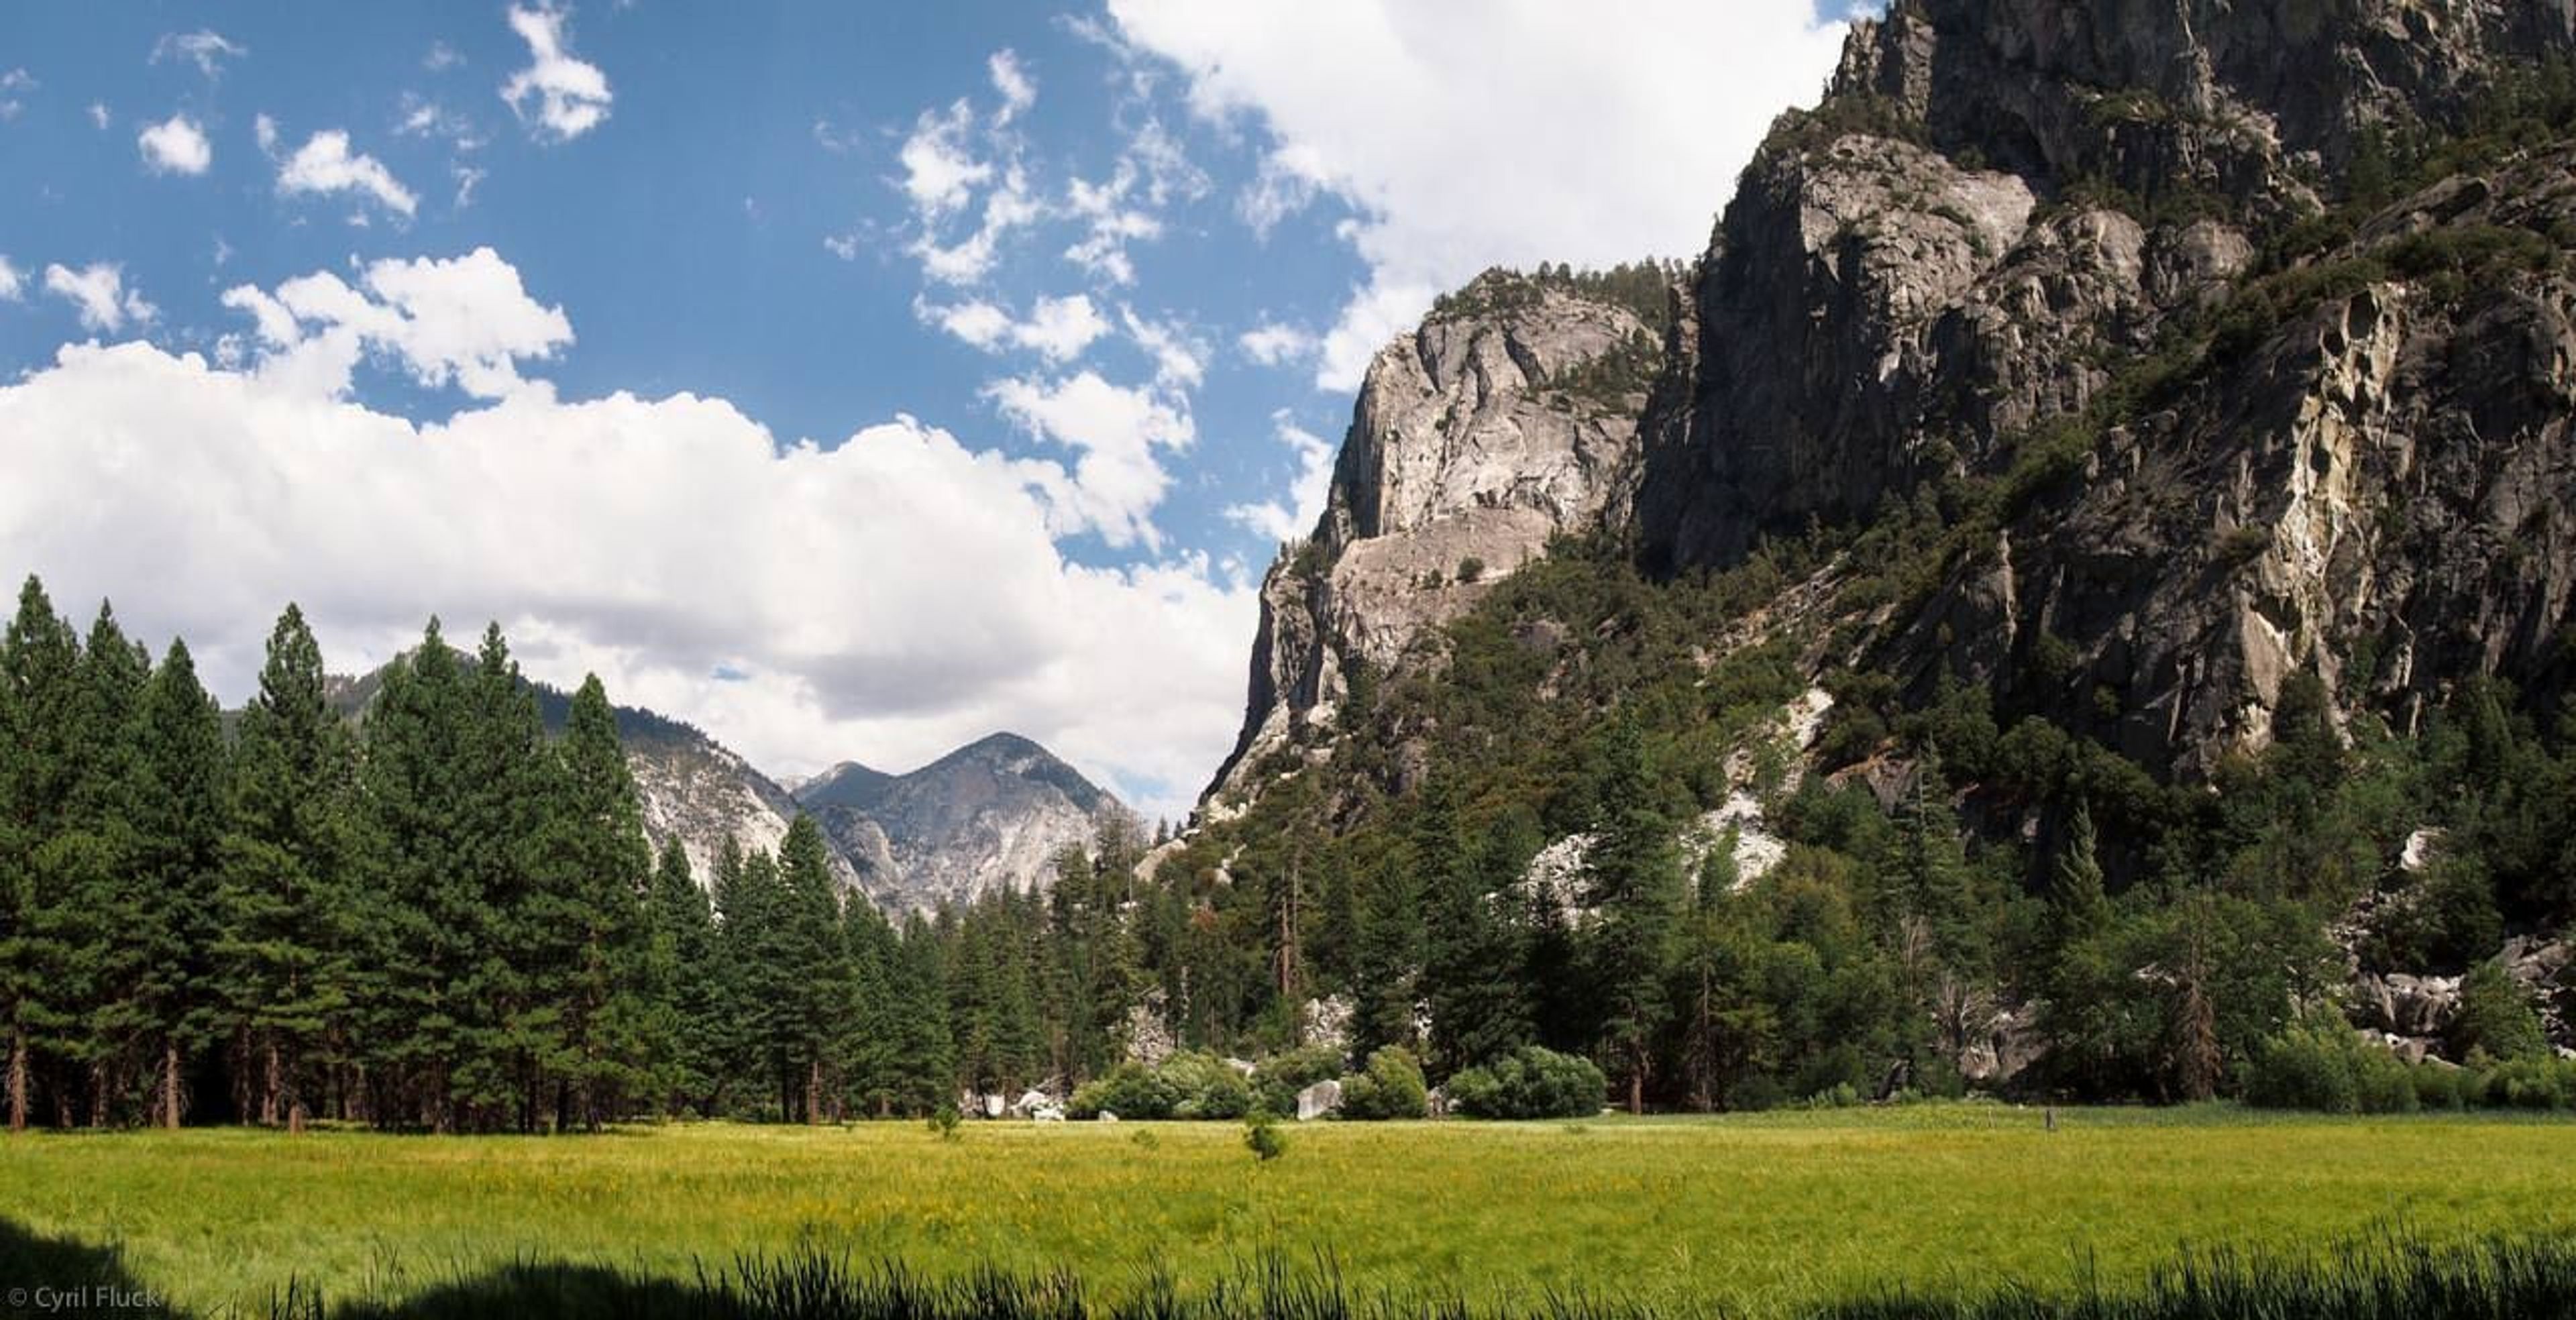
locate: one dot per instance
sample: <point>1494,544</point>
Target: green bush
<point>1391,1086</point>
<point>2529,1083</point>
<point>2497,1017</point>
<point>1261,1136</point>
<point>2323,1065</point>
<point>1205,1086</point>
<point>1529,1082</point>
<point>1280,1077</point>
<point>1130,1090</point>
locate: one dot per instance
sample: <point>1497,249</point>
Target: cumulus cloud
<point>1274,344</point>
<point>175,146</point>
<point>1313,482</point>
<point>672,545</point>
<point>557,96</point>
<point>324,165</point>
<point>1060,328</point>
<point>13,284</point>
<point>466,321</point>
<point>1018,91</point>
<point>940,168</point>
<point>1549,133</point>
<point>99,293</point>
<point>1116,433</point>
<point>204,48</point>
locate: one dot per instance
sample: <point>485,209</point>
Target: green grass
<point>1760,1215</point>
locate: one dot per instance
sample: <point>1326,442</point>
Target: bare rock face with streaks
<point>1507,419</point>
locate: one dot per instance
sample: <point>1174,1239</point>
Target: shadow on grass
<point>2500,1278</point>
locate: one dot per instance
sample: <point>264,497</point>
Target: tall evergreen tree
<point>180,821</point>
<point>595,867</point>
<point>282,959</point>
<point>1634,878</point>
<point>684,952</point>
<point>90,862</point>
<point>39,662</point>
<point>814,961</point>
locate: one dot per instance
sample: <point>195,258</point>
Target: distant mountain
<point>990,815</point>
<point>693,788</point>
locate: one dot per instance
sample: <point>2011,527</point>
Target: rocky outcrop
<point>2005,213</point>
<point>992,815</point>
<point>1507,419</point>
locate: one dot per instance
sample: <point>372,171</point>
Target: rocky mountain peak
<point>990,815</point>
<point>1508,418</point>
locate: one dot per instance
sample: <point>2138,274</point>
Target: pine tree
<point>280,961</point>
<point>1387,962</point>
<point>685,953</point>
<point>1634,878</point>
<point>814,961</point>
<point>595,867</point>
<point>39,660</point>
<point>90,862</point>
<point>927,1076</point>
<point>430,931</point>
<point>180,820</point>
<point>1473,947</point>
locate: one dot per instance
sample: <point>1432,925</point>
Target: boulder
<point>1318,1101</point>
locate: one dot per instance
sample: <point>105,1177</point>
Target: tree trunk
<point>18,1079</point>
<point>814,1091</point>
<point>170,1082</point>
<point>1637,1084</point>
<point>273,1083</point>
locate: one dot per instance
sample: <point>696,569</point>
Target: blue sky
<point>850,380</point>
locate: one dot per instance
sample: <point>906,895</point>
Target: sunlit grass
<point>1761,1213</point>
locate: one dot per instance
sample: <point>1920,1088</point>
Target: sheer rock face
<point>2381,489</point>
<point>1999,209</point>
<point>991,815</point>
<point>1503,421</point>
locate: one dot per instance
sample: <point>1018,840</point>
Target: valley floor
<point>1760,1214</point>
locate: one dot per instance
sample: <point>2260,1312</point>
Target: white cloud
<point>1536,133</point>
<point>570,96</point>
<point>1117,478</point>
<point>98,115</point>
<point>14,84</point>
<point>975,321</point>
<point>1060,328</point>
<point>653,541</point>
<point>423,117</point>
<point>940,171</point>
<point>441,57</point>
<point>13,284</point>
<point>1017,89</point>
<point>1180,361</point>
<point>175,146</point>
<point>204,48</point>
<point>325,165</point>
<point>99,293</point>
<point>465,321</point>
<point>1308,491</point>
<point>1273,344</point>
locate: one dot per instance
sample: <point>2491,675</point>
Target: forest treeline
<point>440,917</point>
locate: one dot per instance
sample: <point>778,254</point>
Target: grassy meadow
<point>1757,1215</point>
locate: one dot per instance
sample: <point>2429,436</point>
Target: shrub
<point>1280,1077</point>
<point>1205,1086</point>
<point>2529,1083</point>
<point>1529,1082</point>
<point>1261,1136</point>
<point>1391,1086</point>
<point>1471,569</point>
<point>1130,1090</point>
<point>2497,1017</point>
<point>2323,1065</point>
<point>943,1122</point>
